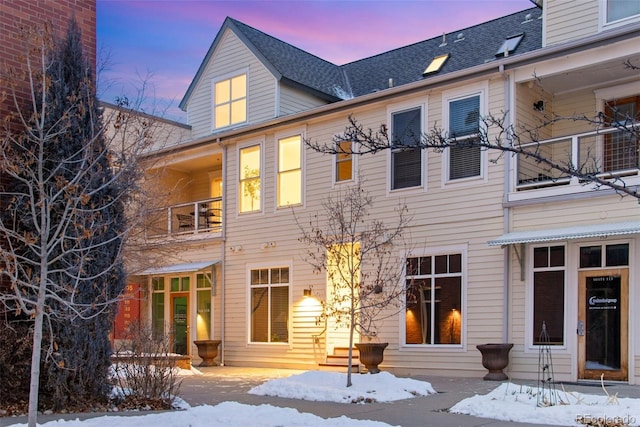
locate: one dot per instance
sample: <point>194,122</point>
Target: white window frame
<point>604,24</point>
<point>218,79</point>
<point>334,164</point>
<point>529,326</point>
<point>278,138</point>
<point>270,265</point>
<point>399,108</point>
<point>262,164</point>
<point>442,250</point>
<point>481,90</point>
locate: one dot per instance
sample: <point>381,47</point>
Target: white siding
<point>232,56</point>
<point>294,101</point>
<point>569,20</point>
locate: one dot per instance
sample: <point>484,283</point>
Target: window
<point>620,9</point>
<point>406,163</point>
<point>290,171</point>
<point>621,147</point>
<point>230,101</point>
<point>597,256</point>
<point>157,307</point>
<point>509,45</point>
<point>249,197</point>
<point>465,158</point>
<point>180,284</point>
<point>270,304</point>
<point>344,161</point>
<point>434,299</point>
<point>203,301</point>
<point>436,64</point>
<point>548,293</point>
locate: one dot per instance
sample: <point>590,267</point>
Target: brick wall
<point>16,15</point>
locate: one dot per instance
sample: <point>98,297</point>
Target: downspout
<point>508,104</point>
<point>223,249</point>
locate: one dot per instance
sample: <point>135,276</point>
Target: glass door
<point>180,323</point>
<point>603,324</point>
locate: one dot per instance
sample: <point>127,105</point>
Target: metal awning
<point>566,233</point>
<point>178,268</point>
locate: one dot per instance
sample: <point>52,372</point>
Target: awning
<point>178,268</point>
<point>566,233</point>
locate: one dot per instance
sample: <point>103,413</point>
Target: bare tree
<point>359,254</point>
<point>68,195</point>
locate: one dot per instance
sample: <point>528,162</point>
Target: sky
<point>155,47</point>
<point>507,402</point>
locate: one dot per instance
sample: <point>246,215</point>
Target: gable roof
<point>297,68</point>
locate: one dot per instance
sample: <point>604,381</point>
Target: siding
<point>293,101</point>
<point>443,215</point>
<point>569,20</point>
<point>232,56</point>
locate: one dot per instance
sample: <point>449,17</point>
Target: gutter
<point>498,66</point>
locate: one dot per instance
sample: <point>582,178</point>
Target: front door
<point>180,323</point>
<point>603,324</point>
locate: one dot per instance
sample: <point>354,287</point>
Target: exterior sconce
<point>306,293</point>
<point>538,105</point>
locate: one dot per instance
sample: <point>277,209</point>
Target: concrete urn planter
<point>371,355</point>
<point>207,351</point>
<point>495,357</point>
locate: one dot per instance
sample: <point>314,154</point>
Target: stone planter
<point>495,357</point>
<point>207,351</point>
<point>371,355</point>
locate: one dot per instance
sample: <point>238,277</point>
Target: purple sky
<point>165,41</point>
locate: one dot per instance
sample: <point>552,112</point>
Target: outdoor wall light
<point>306,293</point>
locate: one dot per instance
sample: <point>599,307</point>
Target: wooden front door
<point>603,313</point>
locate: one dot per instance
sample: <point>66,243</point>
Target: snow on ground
<point>331,387</point>
<point>512,402</point>
<point>508,402</point>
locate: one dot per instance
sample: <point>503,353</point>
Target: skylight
<point>436,64</point>
<point>509,45</point>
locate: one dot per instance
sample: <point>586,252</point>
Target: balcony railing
<point>609,152</point>
<point>202,216</point>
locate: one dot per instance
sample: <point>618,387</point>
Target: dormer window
<point>230,101</point>
<point>509,45</point>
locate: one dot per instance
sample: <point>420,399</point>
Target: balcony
<point>607,153</point>
<point>202,217</point>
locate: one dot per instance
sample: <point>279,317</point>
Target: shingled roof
<point>466,48</point>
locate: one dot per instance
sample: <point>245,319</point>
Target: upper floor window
<point>269,313</point>
<point>465,158</point>
<point>406,163</point>
<point>621,148</point>
<point>250,189</point>
<point>344,161</point>
<point>290,171</point>
<point>230,101</point>
<point>621,9</point>
<point>434,299</point>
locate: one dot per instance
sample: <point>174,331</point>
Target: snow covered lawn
<point>512,402</point>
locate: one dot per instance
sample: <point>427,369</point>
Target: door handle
<point>580,329</point>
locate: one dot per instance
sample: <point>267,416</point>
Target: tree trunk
<point>34,385</point>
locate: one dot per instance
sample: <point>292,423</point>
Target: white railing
<point>201,216</point>
<point>607,152</point>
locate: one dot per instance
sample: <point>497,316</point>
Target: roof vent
<point>390,83</point>
<point>527,18</point>
<point>459,37</point>
<point>444,40</point>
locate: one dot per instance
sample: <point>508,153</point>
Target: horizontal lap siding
<point>570,19</point>
<point>443,215</point>
<point>293,101</point>
<point>232,56</point>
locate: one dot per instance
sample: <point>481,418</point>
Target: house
<point>504,244</point>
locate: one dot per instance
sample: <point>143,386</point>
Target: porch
<point>189,218</point>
